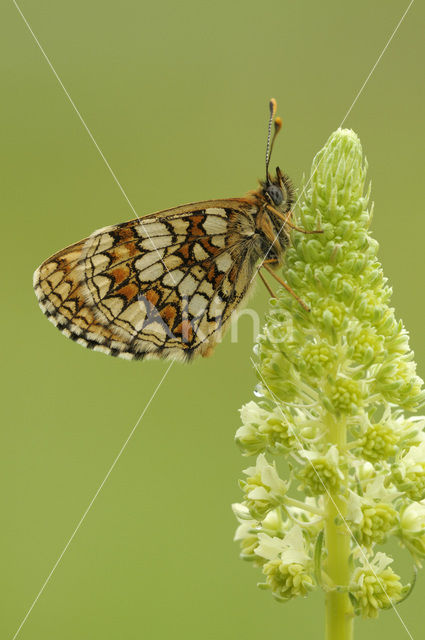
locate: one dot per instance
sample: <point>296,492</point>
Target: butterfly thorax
<point>273,200</point>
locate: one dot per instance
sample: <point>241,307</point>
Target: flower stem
<point>302,505</point>
<point>339,611</point>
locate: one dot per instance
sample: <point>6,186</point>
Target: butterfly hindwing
<point>162,286</point>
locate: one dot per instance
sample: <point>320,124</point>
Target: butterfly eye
<point>275,193</point>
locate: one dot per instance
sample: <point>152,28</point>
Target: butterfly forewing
<point>163,286</point>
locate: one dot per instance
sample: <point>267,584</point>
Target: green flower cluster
<point>379,442</point>
<point>287,580</point>
<point>378,520</point>
<point>333,386</point>
<point>378,587</point>
<point>321,473</point>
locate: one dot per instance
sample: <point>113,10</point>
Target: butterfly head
<point>279,191</point>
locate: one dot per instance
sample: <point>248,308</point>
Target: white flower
<point>251,413</point>
<point>247,524</point>
<point>365,470</point>
<point>413,518</point>
<point>269,477</point>
<point>376,490</point>
<point>273,522</point>
<point>290,549</point>
<point>241,511</point>
<point>354,511</point>
<point>331,457</point>
<point>264,489</point>
<point>415,458</point>
<point>245,529</point>
<point>378,564</point>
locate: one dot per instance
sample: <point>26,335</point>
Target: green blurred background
<point>176,95</point>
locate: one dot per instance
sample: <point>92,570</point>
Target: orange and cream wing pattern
<point>163,286</point>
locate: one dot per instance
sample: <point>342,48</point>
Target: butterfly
<point>166,285</point>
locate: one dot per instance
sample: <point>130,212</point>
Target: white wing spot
<point>99,262</point>
<point>217,307</point>
<point>151,244</point>
<point>172,262</point>
<point>218,211</point>
<point>172,278</point>
<point>214,224</point>
<point>156,328</point>
<point>135,315</point>
<point>197,305</point>
<point>207,288</point>
<point>180,226</point>
<point>102,284</point>
<point>199,252</point>
<point>45,270</point>
<point>97,242</point>
<point>218,241</point>
<point>224,262</point>
<point>64,289</point>
<point>114,305</point>
<point>188,285</point>
<point>146,261</point>
<point>152,273</point>
<point>54,279</point>
<point>152,228</point>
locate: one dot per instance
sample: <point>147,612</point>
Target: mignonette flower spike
<point>340,468</point>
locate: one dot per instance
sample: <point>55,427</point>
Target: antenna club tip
<point>278,124</point>
<point>273,106</point>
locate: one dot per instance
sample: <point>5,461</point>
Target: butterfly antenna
<point>270,140</point>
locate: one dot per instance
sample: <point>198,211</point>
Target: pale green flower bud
<point>345,395</point>
<point>247,536</point>
<point>365,472</point>
<point>373,515</point>
<point>399,384</point>
<point>316,357</point>
<point>367,346</point>
<point>379,442</point>
<point>320,473</point>
<point>412,528</point>
<point>286,581</point>
<point>377,586</point>
<point>413,518</point>
<point>378,520</point>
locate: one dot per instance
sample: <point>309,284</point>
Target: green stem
<point>339,611</point>
<point>302,505</point>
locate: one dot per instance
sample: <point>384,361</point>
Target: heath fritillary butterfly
<point>166,285</point>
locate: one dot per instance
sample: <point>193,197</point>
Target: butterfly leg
<point>266,284</point>
<point>286,286</point>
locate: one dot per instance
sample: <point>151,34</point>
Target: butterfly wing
<point>163,286</point>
